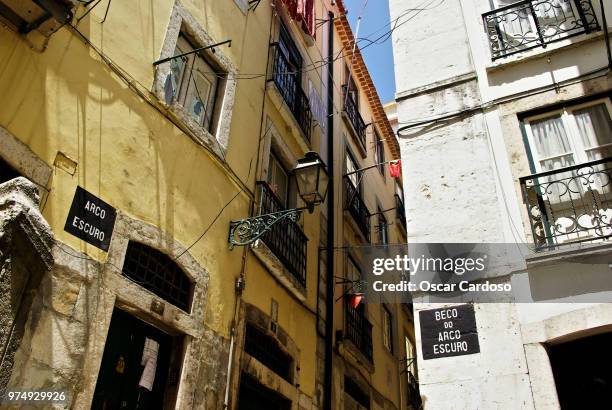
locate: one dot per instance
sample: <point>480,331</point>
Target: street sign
<point>91,219</point>
<point>448,332</point>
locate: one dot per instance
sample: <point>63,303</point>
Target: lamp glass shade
<point>312,179</point>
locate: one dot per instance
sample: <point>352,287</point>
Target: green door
<point>120,380</point>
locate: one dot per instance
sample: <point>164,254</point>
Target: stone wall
<point>56,304</point>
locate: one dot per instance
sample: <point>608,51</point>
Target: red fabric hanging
<point>302,11</point>
<point>308,20</point>
<point>292,7</point>
<point>395,169</point>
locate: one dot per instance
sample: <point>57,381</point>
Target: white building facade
<point>504,121</point>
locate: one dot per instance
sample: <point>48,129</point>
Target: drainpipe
<point>329,294</point>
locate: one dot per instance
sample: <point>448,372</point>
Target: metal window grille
<point>158,273</point>
<point>352,389</point>
<point>266,349</point>
<point>528,24</point>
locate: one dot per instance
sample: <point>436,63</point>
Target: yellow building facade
<point>142,129</point>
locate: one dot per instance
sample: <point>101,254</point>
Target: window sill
<point>278,270</point>
<point>540,52</point>
<point>567,251</point>
<point>200,134</point>
<point>351,349</point>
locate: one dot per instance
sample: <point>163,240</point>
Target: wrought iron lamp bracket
<point>246,231</point>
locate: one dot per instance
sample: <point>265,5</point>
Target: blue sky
<point>378,57</point>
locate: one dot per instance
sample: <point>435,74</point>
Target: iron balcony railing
<point>414,395</point>
<point>353,202</point>
<point>570,204</point>
<point>287,82</point>
<point>359,330</point>
<point>286,238</point>
<point>400,211</point>
<point>352,113</point>
<point>535,23</point>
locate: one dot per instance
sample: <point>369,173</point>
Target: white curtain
<point>595,128</point>
<point>554,150</point>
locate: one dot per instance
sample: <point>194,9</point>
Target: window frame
<point>578,150</point>
<point>379,153</point>
<point>274,159</point>
<point>383,235</point>
<point>387,328</point>
<point>186,80</point>
<point>357,184</point>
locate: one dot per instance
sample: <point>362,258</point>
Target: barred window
<point>157,272</point>
<point>266,349</point>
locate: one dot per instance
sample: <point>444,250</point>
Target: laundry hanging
<point>395,168</point>
<point>149,361</point>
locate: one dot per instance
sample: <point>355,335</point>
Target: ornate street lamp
<point>312,181</point>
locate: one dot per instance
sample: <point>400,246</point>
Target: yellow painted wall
<point>67,99</point>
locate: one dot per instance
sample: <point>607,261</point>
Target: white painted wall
<point>460,185</point>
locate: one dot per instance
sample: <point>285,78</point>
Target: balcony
<point>351,113</point>
<point>287,82</point>
<point>528,24</point>
<point>400,211</point>
<point>353,202</point>
<point>569,205</point>
<point>286,239</point>
<point>359,330</point>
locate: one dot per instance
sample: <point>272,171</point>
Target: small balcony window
<point>353,197</point>
<point>358,329</point>
<point>569,196</point>
<point>516,26</point>
<point>287,75</point>
<point>193,83</point>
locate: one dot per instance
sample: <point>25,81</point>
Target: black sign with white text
<point>91,219</point>
<point>448,332</point>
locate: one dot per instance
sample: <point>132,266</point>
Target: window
<point>278,179</point>
<point>290,51</point>
<point>351,168</point>
<point>379,153</point>
<point>383,228</point>
<point>281,182</point>
<point>571,136</point>
<point>266,349</point>
<point>410,356</point>
<point>351,86</point>
<point>158,273</point>
<point>352,389</point>
<point>193,83</point>
<point>7,172</point>
<point>387,326</point>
